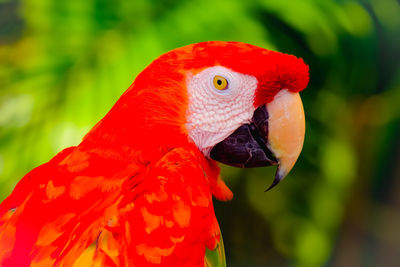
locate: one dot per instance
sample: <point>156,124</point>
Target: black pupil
<point>219,82</point>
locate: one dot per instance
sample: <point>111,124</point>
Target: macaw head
<point>238,103</point>
<point>244,106</point>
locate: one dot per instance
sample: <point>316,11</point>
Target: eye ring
<point>220,83</point>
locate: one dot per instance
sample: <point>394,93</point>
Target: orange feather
<point>136,191</point>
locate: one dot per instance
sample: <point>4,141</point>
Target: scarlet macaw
<point>137,191</point>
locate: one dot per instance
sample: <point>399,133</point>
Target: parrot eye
<point>220,82</point>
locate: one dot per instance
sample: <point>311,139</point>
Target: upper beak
<point>274,137</point>
<point>286,129</point>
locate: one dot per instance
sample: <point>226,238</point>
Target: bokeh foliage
<point>64,63</point>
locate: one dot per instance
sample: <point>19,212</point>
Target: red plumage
<point>136,190</point>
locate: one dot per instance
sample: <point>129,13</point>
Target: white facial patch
<point>215,114</point>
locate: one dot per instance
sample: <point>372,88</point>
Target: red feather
<point>136,191</point>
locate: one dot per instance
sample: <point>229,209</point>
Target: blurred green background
<point>63,64</point>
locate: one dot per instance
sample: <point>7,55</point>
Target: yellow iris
<point>220,82</point>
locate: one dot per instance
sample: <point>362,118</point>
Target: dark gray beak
<point>274,136</point>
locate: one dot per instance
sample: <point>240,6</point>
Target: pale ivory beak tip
<point>286,126</point>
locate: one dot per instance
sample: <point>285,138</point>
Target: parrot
<point>138,189</point>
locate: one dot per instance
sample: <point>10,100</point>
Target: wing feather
<point>97,208</point>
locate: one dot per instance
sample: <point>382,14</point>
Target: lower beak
<point>275,136</point>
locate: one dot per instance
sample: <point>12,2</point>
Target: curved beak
<point>286,129</point>
<point>274,137</point>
